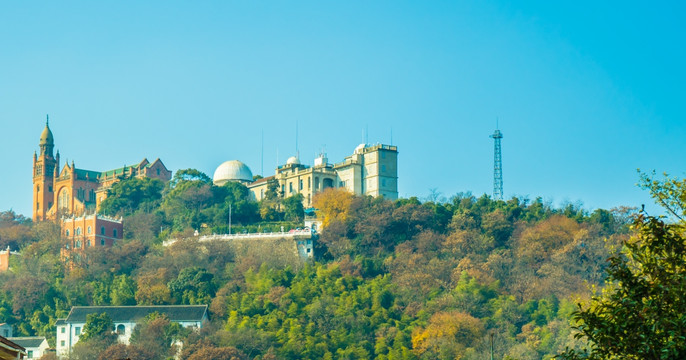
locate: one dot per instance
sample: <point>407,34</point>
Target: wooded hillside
<point>403,279</point>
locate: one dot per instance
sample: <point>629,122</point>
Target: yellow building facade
<point>370,170</point>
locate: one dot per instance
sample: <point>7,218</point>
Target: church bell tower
<point>45,169</point>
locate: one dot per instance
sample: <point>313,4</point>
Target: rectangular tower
<point>44,171</point>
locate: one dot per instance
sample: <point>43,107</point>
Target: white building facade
<point>125,319</point>
<point>36,346</point>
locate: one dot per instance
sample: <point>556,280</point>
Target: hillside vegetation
<point>403,279</point>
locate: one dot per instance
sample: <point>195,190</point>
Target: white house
<point>6,330</point>
<point>35,346</point>
<point>125,319</point>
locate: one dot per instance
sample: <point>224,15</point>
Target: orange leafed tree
<point>452,332</point>
<point>333,204</point>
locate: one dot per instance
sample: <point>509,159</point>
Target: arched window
<point>121,329</point>
<point>88,243</point>
<point>63,199</point>
<point>102,242</point>
<point>78,244</point>
<point>78,231</point>
<point>90,230</point>
<point>66,232</point>
<point>37,188</point>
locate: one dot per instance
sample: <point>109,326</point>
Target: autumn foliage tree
<point>333,205</point>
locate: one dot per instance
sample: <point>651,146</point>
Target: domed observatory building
<point>232,170</point>
<point>371,170</point>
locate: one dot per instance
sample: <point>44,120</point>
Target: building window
<point>90,230</point>
<point>49,188</point>
<point>316,183</point>
<point>37,188</point>
<point>30,354</point>
<point>301,184</point>
<point>37,205</point>
<point>309,185</point>
<point>62,343</point>
<point>67,232</point>
<point>77,331</point>
<point>78,244</point>
<point>102,230</point>
<point>78,231</point>
<point>63,199</point>
<point>290,187</point>
<point>88,243</point>
<point>158,171</point>
<point>283,189</point>
<point>121,330</point>
<point>63,329</point>
<point>114,233</point>
<point>102,242</point>
<point>261,194</point>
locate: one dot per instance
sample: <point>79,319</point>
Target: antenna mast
<point>297,152</point>
<point>497,166</point>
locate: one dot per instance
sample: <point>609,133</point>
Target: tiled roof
<point>92,175</point>
<point>262,180</point>
<point>11,345</point>
<point>59,322</point>
<point>133,313</point>
<point>29,341</point>
<point>119,171</point>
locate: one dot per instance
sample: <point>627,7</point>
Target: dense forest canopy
<point>405,279</point>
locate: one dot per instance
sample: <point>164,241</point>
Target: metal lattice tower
<point>497,167</point>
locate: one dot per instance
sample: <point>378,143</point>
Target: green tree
<point>189,175</point>
<point>293,206</point>
<point>641,313</point>
<point>98,326</point>
<point>193,286</point>
<point>129,195</point>
<point>669,192</point>
<point>123,291</point>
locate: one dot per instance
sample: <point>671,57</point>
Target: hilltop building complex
<point>72,196</point>
<point>71,191</point>
<point>370,170</point>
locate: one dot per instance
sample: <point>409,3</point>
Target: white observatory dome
<point>359,148</point>
<point>232,170</point>
<point>293,161</point>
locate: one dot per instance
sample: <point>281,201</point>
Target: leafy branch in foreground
<point>641,313</point>
<point>670,193</point>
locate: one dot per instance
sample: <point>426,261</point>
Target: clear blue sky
<point>586,91</point>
